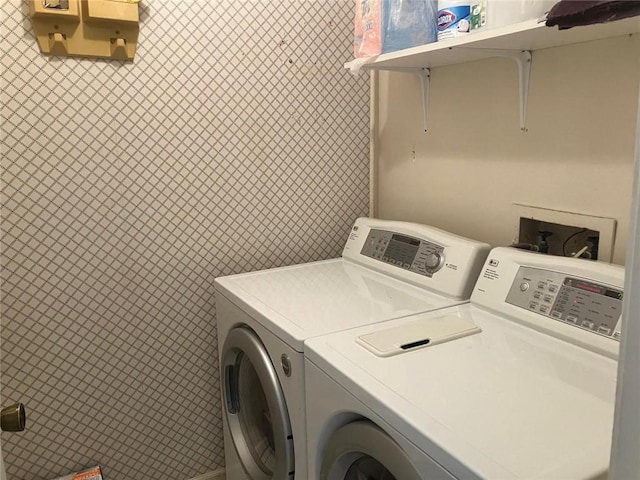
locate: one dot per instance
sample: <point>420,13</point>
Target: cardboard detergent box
<point>94,473</point>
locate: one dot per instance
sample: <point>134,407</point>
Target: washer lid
<point>303,301</point>
<point>508,402</point>
<point>414,334</point>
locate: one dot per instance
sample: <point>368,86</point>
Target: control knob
<point>434,261</point>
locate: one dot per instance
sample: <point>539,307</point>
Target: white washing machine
<point>387,270</point>
<point>518,383</point>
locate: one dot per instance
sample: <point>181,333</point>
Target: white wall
<point>474,162</point>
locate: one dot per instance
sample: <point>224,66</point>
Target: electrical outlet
<point>565,233</point>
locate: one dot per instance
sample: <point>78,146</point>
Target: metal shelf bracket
<point>425,78</point>
<point>523,60</point>
<point>521,57</point>
<point>424,74</point>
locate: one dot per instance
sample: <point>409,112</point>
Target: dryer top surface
<point>303,301</point>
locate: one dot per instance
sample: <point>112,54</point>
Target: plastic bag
<point>409,23</point>
<point>383,26</point>
<point>368,28</point>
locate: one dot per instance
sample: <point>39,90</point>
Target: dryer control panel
<point>425,256</point>
<point>573,300</point>
<point>404,251</point>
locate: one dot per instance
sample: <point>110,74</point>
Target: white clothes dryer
<point>387,270</point>
<point>518,383</point>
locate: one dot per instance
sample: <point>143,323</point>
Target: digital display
<point>401,238</point>
<point>402,249</point>
<point>614,294</point>
<point>593,288</point>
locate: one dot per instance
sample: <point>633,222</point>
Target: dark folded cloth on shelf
<point>573,13</point>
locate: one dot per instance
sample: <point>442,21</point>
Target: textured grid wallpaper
<point>235,141</point>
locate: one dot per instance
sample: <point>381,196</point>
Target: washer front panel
<point>573,300</point>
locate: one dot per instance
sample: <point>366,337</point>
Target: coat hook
<point>58,43</point>
<point>119,49</point>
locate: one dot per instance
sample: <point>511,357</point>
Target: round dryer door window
<point>255,408</point>
<point>362,451</point>
<point>365,468</point>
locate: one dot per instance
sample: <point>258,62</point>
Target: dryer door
<point>255,408</point>
<point>362,450</point>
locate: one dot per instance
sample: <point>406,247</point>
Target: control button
<point>385,259</point>
<point>604,329</point>
<point>524,286</point>
<point>571,318</point>
<point>616,334</point>
<point>553,288</point>
<point>433,261</point>
<point>587,324</point>
<point>533,305</point>
<point>542,285</point>
<point>406,265</point>
<point>537,295</point>
<point>548,298</point>
<point>544,309</point>
<point>556,314</point>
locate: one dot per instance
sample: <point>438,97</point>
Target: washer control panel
<point>576,301</point>
<point>404,251</point>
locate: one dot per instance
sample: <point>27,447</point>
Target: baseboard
<point>215,475</point>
